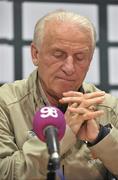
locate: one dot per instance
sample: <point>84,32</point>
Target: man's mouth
<point>66,79</point>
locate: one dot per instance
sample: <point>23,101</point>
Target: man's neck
<point>54,101</point>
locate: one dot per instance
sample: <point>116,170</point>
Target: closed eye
<point>59,54</point>
<point>79,56</point>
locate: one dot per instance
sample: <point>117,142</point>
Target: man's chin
<point>59,94</point>
<point>59,90</point>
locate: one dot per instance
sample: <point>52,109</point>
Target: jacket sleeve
<point>106,150</point>
<point>29,162</point>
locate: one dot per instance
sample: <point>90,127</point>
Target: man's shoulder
<point>17,90</point>
<point>89,87</point>
<point>11,92</point>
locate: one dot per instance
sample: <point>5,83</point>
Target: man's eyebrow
<point>79,50</point>
<point>58,49</point>
<point>83,49</point>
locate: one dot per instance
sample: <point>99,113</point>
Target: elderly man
<point>62,50</point>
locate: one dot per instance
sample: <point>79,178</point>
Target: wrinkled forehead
<point>66,31</point>
<point>66,26</point>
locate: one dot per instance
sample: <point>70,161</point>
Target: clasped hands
<point>81,113</point>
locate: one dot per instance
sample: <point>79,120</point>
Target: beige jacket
<point>24,157</point>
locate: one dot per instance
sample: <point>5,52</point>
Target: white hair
<point>62,15</point>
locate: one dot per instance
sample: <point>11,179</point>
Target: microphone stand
<point>53,165</point>
<point>51,175</point>
<point>53,149</point>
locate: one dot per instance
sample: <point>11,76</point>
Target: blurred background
<point>17,21</point>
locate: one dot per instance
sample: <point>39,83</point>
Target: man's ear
<point>34,54</point>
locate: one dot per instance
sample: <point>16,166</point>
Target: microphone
<point>49,125</point>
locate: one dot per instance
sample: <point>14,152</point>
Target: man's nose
<point>68,65</point>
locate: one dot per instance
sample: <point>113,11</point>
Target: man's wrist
<point>103,131</point>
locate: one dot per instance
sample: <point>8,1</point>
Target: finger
<point>79,111</point>
<point>93,115</point>
<point>84,102</point>
<point>89,102</point>
<point>76,121</point>
<point>89,95</point>
<point>71,100</point>
<point>81,118</point>
<point>73,105</point>
<point>89,130</point>
<point>69,95</point>
<point>72,93</point>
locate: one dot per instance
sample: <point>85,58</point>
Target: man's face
<point>64,57</point>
